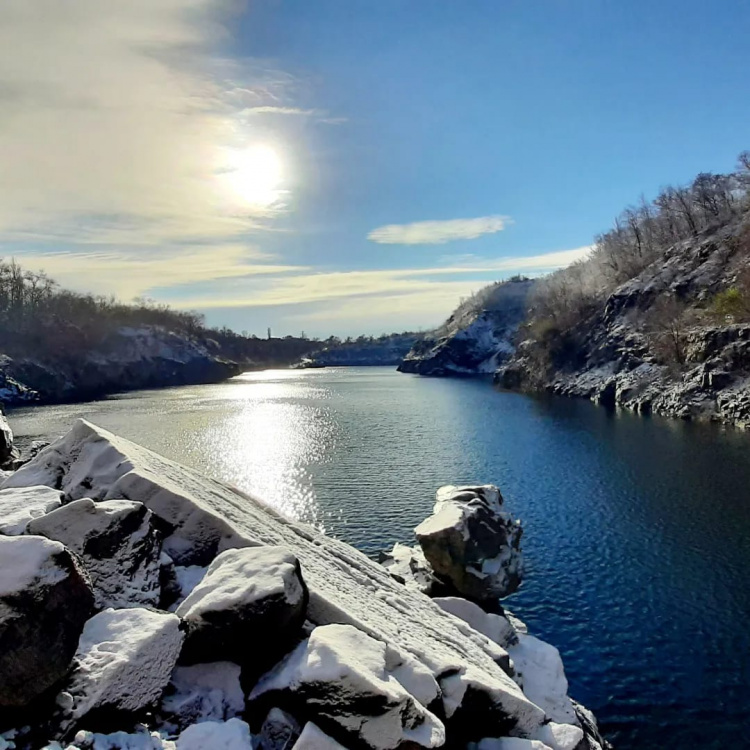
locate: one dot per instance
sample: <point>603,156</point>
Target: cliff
<point>126,359</point>
<point>382,351</point>
<point>477,337</point>
<point>143,605</point>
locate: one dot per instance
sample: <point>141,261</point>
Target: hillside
<point>657,318</point>
<point>477,337</point>
<point>57,345</point>
<point>364,351</point>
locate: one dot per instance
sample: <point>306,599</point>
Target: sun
<point>254,175</point>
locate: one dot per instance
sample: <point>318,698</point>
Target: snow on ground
<point>215,735</point>
<point>124,660</point>
<point>203,692</point>
<point>540,669</point>
<point>20,505</point>
<point>25,560</point>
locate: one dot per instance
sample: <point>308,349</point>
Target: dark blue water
<point>637,531</point>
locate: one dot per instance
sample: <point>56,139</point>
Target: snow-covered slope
<point>477,337</point>
<point>451,682</point>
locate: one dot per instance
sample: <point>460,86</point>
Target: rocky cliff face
<point>617,356</point>
<point>387,351</point>
<point>477,337</point>
<point>129,359</point>
<point>203,619</point>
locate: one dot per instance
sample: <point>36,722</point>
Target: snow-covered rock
<point>202,692</point>
<point>314,738</point>
<point>8,452</point>
<point>508,743</point>
<point>216,735</point>
<point>141,739</point>
<point>496,627</point>
<point>280,731</point>
<point>123,663</point>
<point>19,505</point>
<point>409,566</point>
<point>250,605</point>
<point>478,694</point>
<point>471,543</point>
<point>45,599</point>
<point>342,675</point>
<point>540,671</point>
<point>119,548</point>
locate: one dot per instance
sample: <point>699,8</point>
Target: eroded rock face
<point>19,505</point>
<point>249,606</point>
<point>342,675</point>
<point>472,544</point>
<point>45,599</point>
<point>8,453</point>
<point>123,663</point>
<point>119,548</point>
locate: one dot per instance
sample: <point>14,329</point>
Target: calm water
<point>637,531</point>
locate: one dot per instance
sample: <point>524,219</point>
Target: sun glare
<point>254,175</point>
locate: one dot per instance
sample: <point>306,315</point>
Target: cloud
<point>438,232</point>
<point>113,118</point>
<point>133,273</point>
<point>422,283</point>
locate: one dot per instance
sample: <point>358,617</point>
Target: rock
<point>472,544</point>
<point>8,453</point>
<point>228,735</point>
<point>409,566</point>
<point>45,599</point>
<point>541,675</point>
<point>280,731</point>
<point>141,739</point>
<point>313,738</point>
<point>477,337</point>
<point>496,627</point>
<point>508,743</point>
<point>204,517</point>
<point>249,607</point>
<point>123,663</point>
<point>169,586</point>
<point>19,505</point>
<point>203,692</point>
<point>339,677</point>
<point>119,547</point>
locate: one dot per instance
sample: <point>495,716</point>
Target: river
<point>637,531</point>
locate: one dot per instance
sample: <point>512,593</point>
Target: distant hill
<point>386,350</point>
<point>58,345</point>
<point>656,319</point>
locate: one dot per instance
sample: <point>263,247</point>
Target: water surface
<point>637,531</point>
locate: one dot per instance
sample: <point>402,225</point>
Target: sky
<point>348,166</point>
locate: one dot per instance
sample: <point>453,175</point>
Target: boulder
<point>496,627</point>
<point>119,547</point>
<point>45,599</point>
<point>313,738</point>
<point>203,692</point>
<point>472,544</point>
<point>539,671</point>
<point>221,735</point>
<point>123,663</point>
<point>280,731</point>
<point>409,566</point>
<point>8,453</point>
<point>140,739</point>
<point>20,505</point>
<point>350,685</point>
<point>249,607</point>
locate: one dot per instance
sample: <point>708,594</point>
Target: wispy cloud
<point>438,232</point>
<point>271,110</point>
<point>114,116</point>
<point>418,284</point>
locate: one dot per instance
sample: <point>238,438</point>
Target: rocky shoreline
<point>145,606</point>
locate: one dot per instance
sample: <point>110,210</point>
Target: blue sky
<point>348,166</point>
